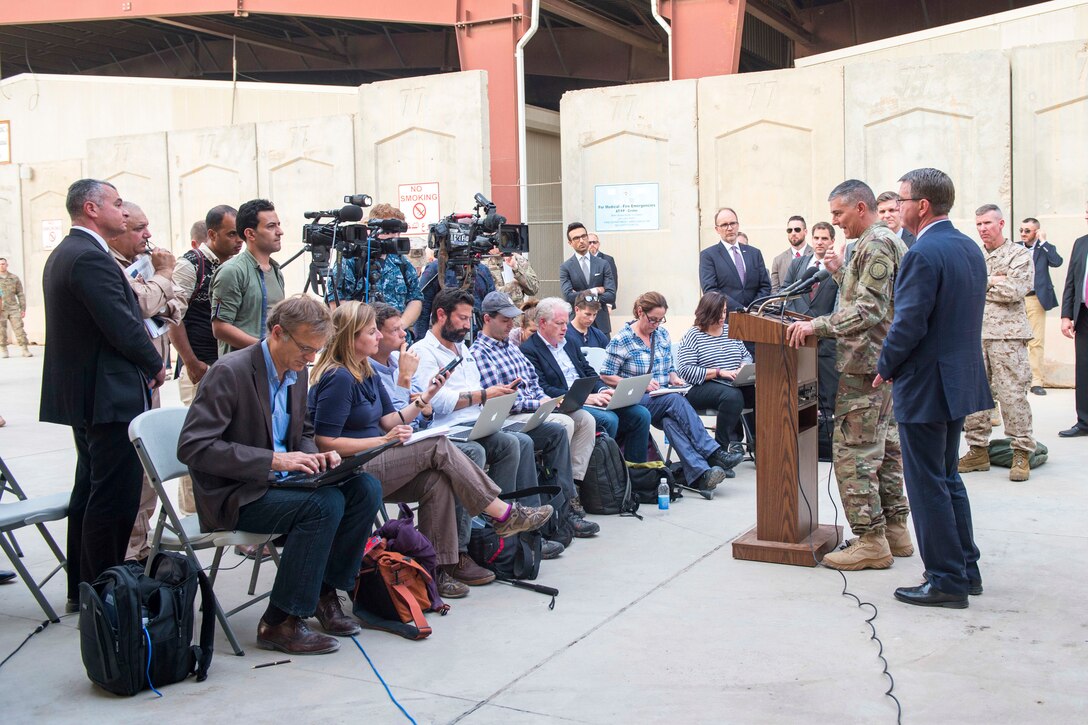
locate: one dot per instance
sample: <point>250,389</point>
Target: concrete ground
<point>656,622</point>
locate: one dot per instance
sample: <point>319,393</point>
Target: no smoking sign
<point>420,204</point>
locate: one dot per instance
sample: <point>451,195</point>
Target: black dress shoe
<point>927,595</point>
<point>1038,390</point>
<point>974,586</point>
<point>1073,432</point>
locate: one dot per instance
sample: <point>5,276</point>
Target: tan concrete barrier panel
<point>634,135</point>
<point>137,166</point>
<point>770,146</point>
<point>947,111</point>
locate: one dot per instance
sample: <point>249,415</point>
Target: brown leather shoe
<point>330,615</point>
<point>471,573</point>
<point>294,637</point>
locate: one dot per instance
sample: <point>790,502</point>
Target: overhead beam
<point>589,19</point>
<point>221,30</point>
<point>780,22</point>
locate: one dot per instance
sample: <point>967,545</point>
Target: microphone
<point>811,281</point>
<point>350,213</point>
<point>808,274</point>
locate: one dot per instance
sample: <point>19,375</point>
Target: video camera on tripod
<point>466,237</point>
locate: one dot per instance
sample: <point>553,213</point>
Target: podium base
<point>751,548</point>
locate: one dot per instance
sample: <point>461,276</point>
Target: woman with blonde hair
<point>351,412</point>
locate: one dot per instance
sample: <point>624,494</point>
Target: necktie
<point>796,255</point>
<point>585,269</point>
<point>738,262</point>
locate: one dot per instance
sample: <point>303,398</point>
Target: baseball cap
<point>500,303</point>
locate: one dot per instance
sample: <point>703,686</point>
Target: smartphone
<point>449,367</point>
<point>516,384</point>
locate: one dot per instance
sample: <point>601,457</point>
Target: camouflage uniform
<point>11,310</point>
<point>1005,335</point>
<point>525,281</point>
<point>868,460</point>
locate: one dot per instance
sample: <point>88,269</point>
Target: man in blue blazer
<point>1075,327</point>
<point>1041,297</point>
<point>559,361</point>
<point>933,356</point>
<point>98,373</point>
<point>734,269</point>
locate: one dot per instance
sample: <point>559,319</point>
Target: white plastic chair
<point>155,435</point>
<point>595,356</point>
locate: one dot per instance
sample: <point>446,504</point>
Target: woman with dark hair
<point>526,326</point>
<point>708,360</point>
<point>643,346</point>
<point>351,412</point>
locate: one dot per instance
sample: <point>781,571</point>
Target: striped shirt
<point>699,351</point>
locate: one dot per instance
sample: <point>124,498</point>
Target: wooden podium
<point>787,530</point>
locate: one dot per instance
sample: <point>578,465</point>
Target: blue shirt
<point>628,356</point>
<point>398,285</point>
<point>593,338</point>
<point>400,397</point>
<point>277,397</point>
<point>343,407</point>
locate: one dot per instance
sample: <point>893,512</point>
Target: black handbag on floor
<point>136,631</point>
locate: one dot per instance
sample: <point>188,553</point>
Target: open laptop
<point>334,476</point>
<point>575,398</point>
<point>539,416</point>
<point>494,414</point>
<point>628,392</point>
<point>746,375</point>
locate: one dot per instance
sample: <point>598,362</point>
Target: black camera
<point>467,237</point>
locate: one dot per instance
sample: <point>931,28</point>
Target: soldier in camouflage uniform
<point>523,278</point>
<point>868,461</point>
<point>1005,336</point>
<point>12,309</point>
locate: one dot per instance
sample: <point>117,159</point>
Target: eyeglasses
<point>304,349</point>
<point>655,321</point>
<point>794,230</point>
<point>728,225</point>
<point>579,238</point>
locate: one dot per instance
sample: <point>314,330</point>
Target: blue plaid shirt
<point>500,362</point>
<point>398,286</point>
<point>628,356</point>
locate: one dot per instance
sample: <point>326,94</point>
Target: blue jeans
<point>629,426</point>
<point>673,414</point>
<point>326,532</point>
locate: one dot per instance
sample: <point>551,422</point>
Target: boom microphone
<point>809,274</point>
<point>350,213</point>
<point>808,283</point>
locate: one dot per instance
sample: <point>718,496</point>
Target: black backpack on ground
<point>136,631</point>
<point>606,489</point>
<point>645,478</point>
<point>558,527</point>
<point>515,557</point>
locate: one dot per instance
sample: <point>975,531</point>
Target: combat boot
<point>870,551</point>
<point>1020,471</point>
<point>26,351</point>
<point>898,536</point>
<point>977,459</point>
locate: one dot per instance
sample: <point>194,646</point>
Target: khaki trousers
<point>1037,318</point>
<point>581,428</point>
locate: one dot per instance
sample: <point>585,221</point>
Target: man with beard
<point>796,230</point>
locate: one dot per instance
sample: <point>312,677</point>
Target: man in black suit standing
<point>595,250</point>
<point>100,367</point>
<point>933,356</point>
<point>887,208</point>
<point>820,300</point>
<point>1041,297</point>
<point>583,272</point>
<point>734,269</point>
<point>1075,326</point>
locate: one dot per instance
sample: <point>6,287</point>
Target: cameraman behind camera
<point>482,284</point>
<point>398,284</point>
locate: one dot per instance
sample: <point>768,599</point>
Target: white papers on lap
<point>666,391</point>
<point>419,435</point>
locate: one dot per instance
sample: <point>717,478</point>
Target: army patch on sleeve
<point>878,270</point>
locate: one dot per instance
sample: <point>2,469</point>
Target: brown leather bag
<point>391,592</point>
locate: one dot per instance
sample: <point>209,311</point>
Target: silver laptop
<point>491,418</point>
<point>628,392</point>
<point>539,416</point>
<point>746,375</point>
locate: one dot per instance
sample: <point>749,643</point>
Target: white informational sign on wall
<point>626,207</point>
<point>420,204</point>
<point>52,233</point>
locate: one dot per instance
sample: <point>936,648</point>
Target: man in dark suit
<point>1041,297</point>
<point>559,362</point>
<point>734,269</point>
<point>933,355</point>
<point>1075,326</point>
<point>100,367</point>
<point>819,301</point>
<point>887,208</point>
<point>246,428</point>
<point>583,272</point>
<point>595,250</point>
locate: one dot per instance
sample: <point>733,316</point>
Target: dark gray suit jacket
<point>98,355</point>
<point>1073,292</point>
<point>823,302</point>
<point>227,437</point>
<point>615,270</point>
<point>572,281</point>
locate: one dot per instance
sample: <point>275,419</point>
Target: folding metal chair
<point>155,437</point>
<point>25,512</point>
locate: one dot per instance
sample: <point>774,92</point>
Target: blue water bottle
<point>663,494</point>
